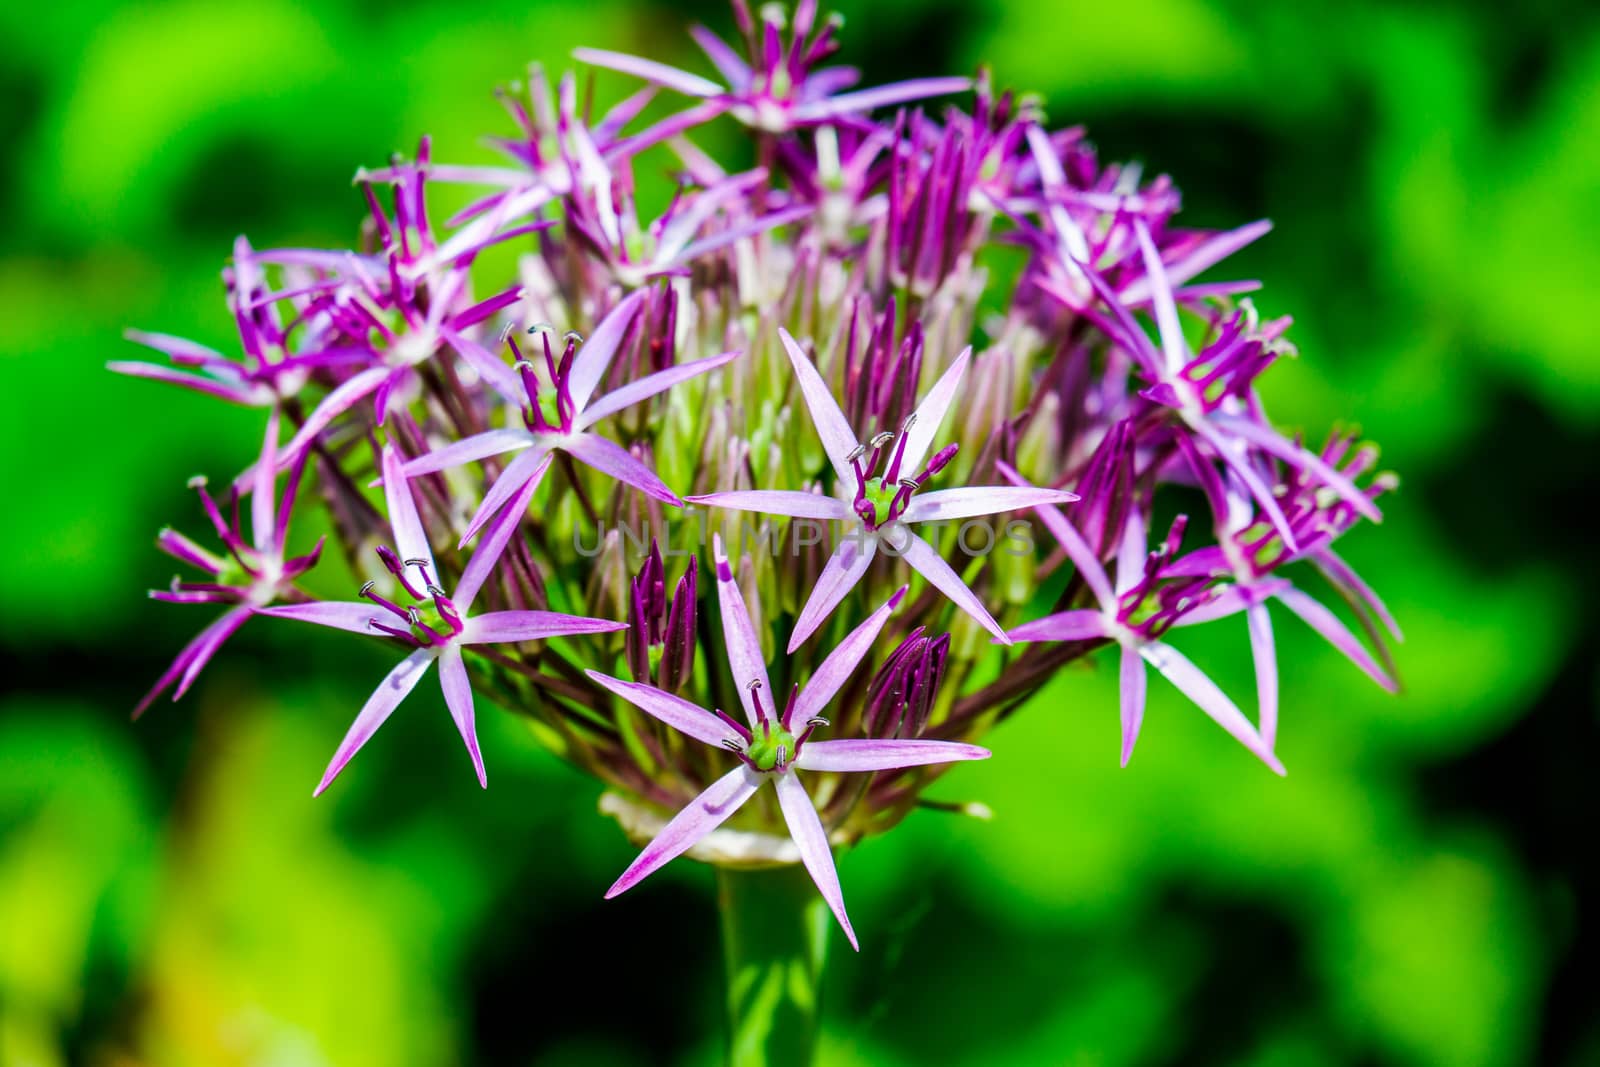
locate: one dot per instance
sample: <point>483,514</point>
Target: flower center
<point>771,748</point>
<point>548,406</point>
<point>430,621</point>
<point>880,499</point>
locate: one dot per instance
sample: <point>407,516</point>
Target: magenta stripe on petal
<point>926,561</point>
<point>840,574</point>
<point>842,662</point>
<point>608,456</point>
<point>1084,624</point>
<point>1134,683</point>
<point>745,659</point>
<point>931,412</point>
<point>806,829</point>
<point>526,469</point>
<point>973,500</point>
<point>501,529</point>
<point>508,627</point>
<point>351,615</point>
<point>410,536</point>
<point>871,754</point>
<point>698,818</point>
<point>1213,701</point>
<point>648,386</point>
<point>599,348</point>
<point>390,692</point>
<point>838,440</point>
<point>789,503</point>
<point>688,719</point>
<point>458,698</point>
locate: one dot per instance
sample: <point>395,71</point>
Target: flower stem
<point>775,931</point>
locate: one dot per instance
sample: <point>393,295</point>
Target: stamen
<point>754,688</point>
<point>733,746</point>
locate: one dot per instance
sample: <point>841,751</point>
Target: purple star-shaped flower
<point>778,89</point>
<point>1249,551</point>
<point>1212,392</point>
<point>557,415</point>
<point>878,505</point>
<point>251,575</point>
<point>773,745</point>
<point>1150,597</point>
<point>435,626</point>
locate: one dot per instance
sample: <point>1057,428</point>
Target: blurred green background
<point>1419,890</point>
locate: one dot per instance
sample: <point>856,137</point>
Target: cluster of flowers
<point>850,360</point>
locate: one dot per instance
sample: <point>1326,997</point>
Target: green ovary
<point>881,497</point>
<point>763,750</point>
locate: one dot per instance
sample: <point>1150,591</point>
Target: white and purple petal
<point>688,719</point>
<point>806,829</point>
<point>699,817</point>
<point>745,659</point>
<point>845,567</point>
<point>390,692</point>
<point>458,698</point>
<point>874,754</point>
<point>608,456</point>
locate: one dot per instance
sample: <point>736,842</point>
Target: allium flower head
<point>771,745</point>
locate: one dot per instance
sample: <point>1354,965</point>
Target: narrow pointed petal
<point>195,655</point>
<point>698,818</point>
<point>1232,599</point>
<point>926,561</point>
<point>501,378</point>
<point>351,615</point>
<point>688,719</point>
<point>1233,452</point>
<point>647,387</point>
<point>1326,623</point>
<point>264,487</point>
<point>834,671</point>
<point>973,500</point>
<point>745,659</point>
<point>659,73</point>
<point>785,502</point>
<point>1084,624</point>
<point>178,349</point>
<point>931,412</point>
<point>1273,443</point>
<point>723,238</point>
<point>608,456</point>
<point>342,399</point>
<point>527,469</point>
<point>1134,685</point>
<point>728,63</point>
<point>410,536</point>
<point>507,627</point>
<point>845,567</point>
<point>806,829</point>
<point>1264,651</point>
<point>1213,701</point>
<point>838,439</point>
<point>241,393</point>
<point>390,692</point>
<point>880,96</point>
<point>458,698</point>
<point>599,348</point>
<point>1174,348</point>
<point>1132,551</point>
<point>871,754</point>
<point>1342,575</point>
<point>468,450</point>
<point>502,528</point>
<point>1207,254</point>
